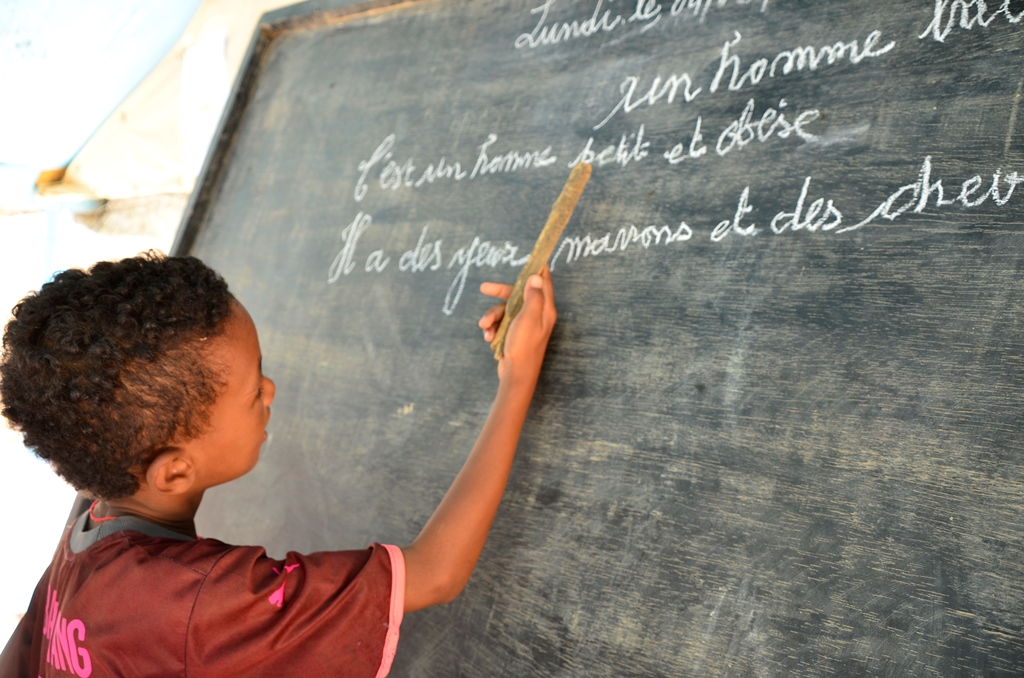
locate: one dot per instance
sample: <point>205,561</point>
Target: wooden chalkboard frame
<point>273,24</point>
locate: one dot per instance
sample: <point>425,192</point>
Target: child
<point>140,382</point>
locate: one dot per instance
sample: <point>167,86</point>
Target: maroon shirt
<point>130,598</point>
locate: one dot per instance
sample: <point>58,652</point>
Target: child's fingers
<point>493,316</point>
<point>500,290</point>
<point>542,290</point>
<point>550,312</point>
<point>537,315</point>
<point>491,320</point>
<point>535,299</point>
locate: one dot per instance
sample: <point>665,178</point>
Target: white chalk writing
<point>743,130</point>
<point>967,14</point>
<point>510,161</point>
<point>699,8</point>
<point>646,13</point>
<point>791,60</point>
<point>727,226</point>
<point>478,253</point>
<point>916,196</point>
<point>422,256</point>
<point>820,215</point>
<point>376,262</point>
<point>659,89</point>
<point>395,175</point>
<point>631,147</point>
<point>382,152</point>
<point>544,34</point>
<point>343,263</point>
<point>737,134</point>
<point>589,246</point>
<point>809,220</point>
<point>671,89</point>
<point>732,73</point>
<point>677,153</point>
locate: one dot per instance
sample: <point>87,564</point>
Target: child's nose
<point>269,390</point>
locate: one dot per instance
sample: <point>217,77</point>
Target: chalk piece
<point>542,249</point>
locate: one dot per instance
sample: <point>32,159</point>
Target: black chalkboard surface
<point>779,430</point>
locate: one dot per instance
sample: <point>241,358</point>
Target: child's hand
<point>492,319</point>
<point>527,337</point>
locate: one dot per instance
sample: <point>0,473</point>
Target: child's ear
<point>172,472</point>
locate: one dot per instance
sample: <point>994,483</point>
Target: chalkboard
<point>779,429</point>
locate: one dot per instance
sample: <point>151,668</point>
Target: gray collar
<point>81,539</point>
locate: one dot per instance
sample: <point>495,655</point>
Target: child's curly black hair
<point>102,370</point>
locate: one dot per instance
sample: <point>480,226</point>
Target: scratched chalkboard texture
<point>779,429</point>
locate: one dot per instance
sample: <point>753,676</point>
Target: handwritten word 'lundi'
<point>645,14</point>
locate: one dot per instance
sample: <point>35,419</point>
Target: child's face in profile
<point>230,446</point>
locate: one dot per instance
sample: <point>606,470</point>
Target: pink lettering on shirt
<point>63,651</point>
<point>277,597</point>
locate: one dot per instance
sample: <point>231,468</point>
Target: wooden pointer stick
<point>542,249</point>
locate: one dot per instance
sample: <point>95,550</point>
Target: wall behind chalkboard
<point>778,432</point>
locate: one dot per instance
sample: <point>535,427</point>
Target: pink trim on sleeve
<point>397,608</point>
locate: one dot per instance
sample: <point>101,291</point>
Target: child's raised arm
<point>441,559</point>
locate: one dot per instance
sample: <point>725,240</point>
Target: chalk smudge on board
<point>1013,116</point>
